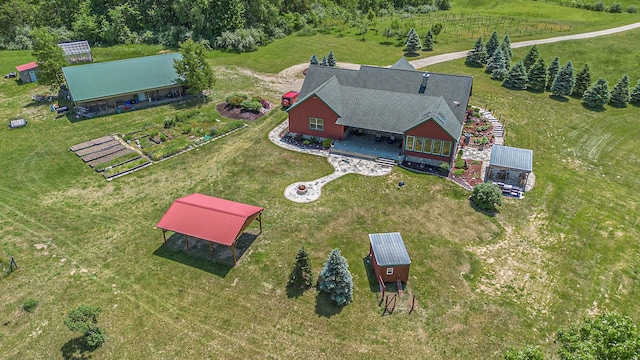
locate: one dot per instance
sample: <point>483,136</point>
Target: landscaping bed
<point>477,131</point>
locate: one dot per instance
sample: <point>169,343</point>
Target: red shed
<point>27,72</point>
<point>389,257</point>
<point>209,218</point>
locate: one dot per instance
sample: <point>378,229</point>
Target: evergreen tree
<point>552,72</point>
<point>428,41</point>
<point>325,62</point>
<point>583,81</point>
<point>413,44</point>
<point>477,56</point>
<point>564,81</point>
<point>49,56</point>
<point>506,49</point>
<point>620,93</point>
<point>597,95</point>
<point>436,29</point>
<point>537,76</point>
<point>314,60</point>
<point>496,64</point>
<point>331,59</point>
<point>532,56</point>
<point>193,68</point>
<point>492,44</point>
<point>300,277</point>
<point>635,94</point>
<point>516,77</point>
<point>336,280</point>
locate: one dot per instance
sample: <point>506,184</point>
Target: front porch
<point>369,146</point>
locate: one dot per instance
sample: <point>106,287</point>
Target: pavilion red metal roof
<point>29,66</point>
<point>209,218</point>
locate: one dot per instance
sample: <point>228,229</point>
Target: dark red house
<point>425,110</point>
<point>389,257</point>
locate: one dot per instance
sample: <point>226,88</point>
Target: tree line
<point>169,22</point>
<point>533,74</point>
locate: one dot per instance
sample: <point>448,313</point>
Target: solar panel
<point>76,47</point>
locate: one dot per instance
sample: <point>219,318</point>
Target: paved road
<point>461,54</point>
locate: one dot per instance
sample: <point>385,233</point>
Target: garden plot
<point>109,156</point>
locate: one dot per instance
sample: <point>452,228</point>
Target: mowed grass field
<point>482,283</point>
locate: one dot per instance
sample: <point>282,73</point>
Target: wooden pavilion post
<point>186,240</point>
<point>164,236</point>
<point>260,221</point>
<point>210,249</point>
<point>233,250</point>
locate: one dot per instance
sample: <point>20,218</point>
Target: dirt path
<point>291,78</point>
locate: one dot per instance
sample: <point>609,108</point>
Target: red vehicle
<point>289,98</point>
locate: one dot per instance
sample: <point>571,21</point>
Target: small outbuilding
<point>210,218</point>
<point>27,72</point>
<point>389,257</point>
<point>77,52</point>
<point>509,168</point>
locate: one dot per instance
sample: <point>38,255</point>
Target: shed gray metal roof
<point>512,158</point>
<point>389,249</point>
<point>454,89</point>
<point>75,48</point>
<point>129,76</point>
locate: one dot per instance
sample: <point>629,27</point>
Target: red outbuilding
<point>27,72</point>
<point>389,257</point>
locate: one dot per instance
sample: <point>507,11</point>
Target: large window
<point>428,146</point>
<point>316,124</point>
<point>409,143</point>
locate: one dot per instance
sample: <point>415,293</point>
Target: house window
<point>409,143</point>
<point>427,145</point>
<point>446,148</point>
<point>437,145</point>
<point>419,142</point>
<point>316,124</point>
<point>389,271</point>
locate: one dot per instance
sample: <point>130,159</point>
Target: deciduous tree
<point>50,58</point>
<point>84,319</point>
<point>436,29</point>
<point>607,336</point>
<point>583,81</point>
<point>597,94</point>
<point>516,77</point>
<point>620,93</point>
<point>537,76</point>
<point>336,280</point>
<point>527,353</point>
<point>193,68</point>
<point>564,81</point>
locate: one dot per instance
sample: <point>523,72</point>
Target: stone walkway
<point>472,153</point>
<point>342,164</point>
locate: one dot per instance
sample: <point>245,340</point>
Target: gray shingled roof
<point>389,249</point>
<point>512,158</point>
<point>454,89</point>
<point>402,64</point>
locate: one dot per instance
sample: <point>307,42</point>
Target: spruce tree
<point>331,59</point>
<point>564,82</point>
<point>336,280</point>
<point>477,56</point>
<point>620,93</point>
<point>537,76</point>
<point>552,72</point>
<point>635,94</point>
<point>428,41</point>
<point>300,277</point>
<point>597,95</point>
<point>492,44</point>
<point>516,77</point>
<point>314,60</point>
<point>583,81</point>
<point>325,62</point>
<point>496,63</point>
<point>506,50</point>
<point>413,44</point>
<point>532,56</point>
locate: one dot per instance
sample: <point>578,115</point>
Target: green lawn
<point>482,283</point>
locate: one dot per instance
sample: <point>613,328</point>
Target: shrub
<point>487,196</point>
<point>236,99</point>
<point>163,137</point>
<point>326,143</point>
<point>598,5</point>
<point>254,106</point>
<point>307,31</point>
<point>444,167</point>
<point>458,172</point>
<point>30,305</point>
<point>632,9</point>
<point>459,163</point>
<point>169,123</point>
<point>186,129</point>
<point>306,142</point>
<point>241,40</point>
<point>616,7</point>
<point>213,131</point>
<point>485,140</point>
